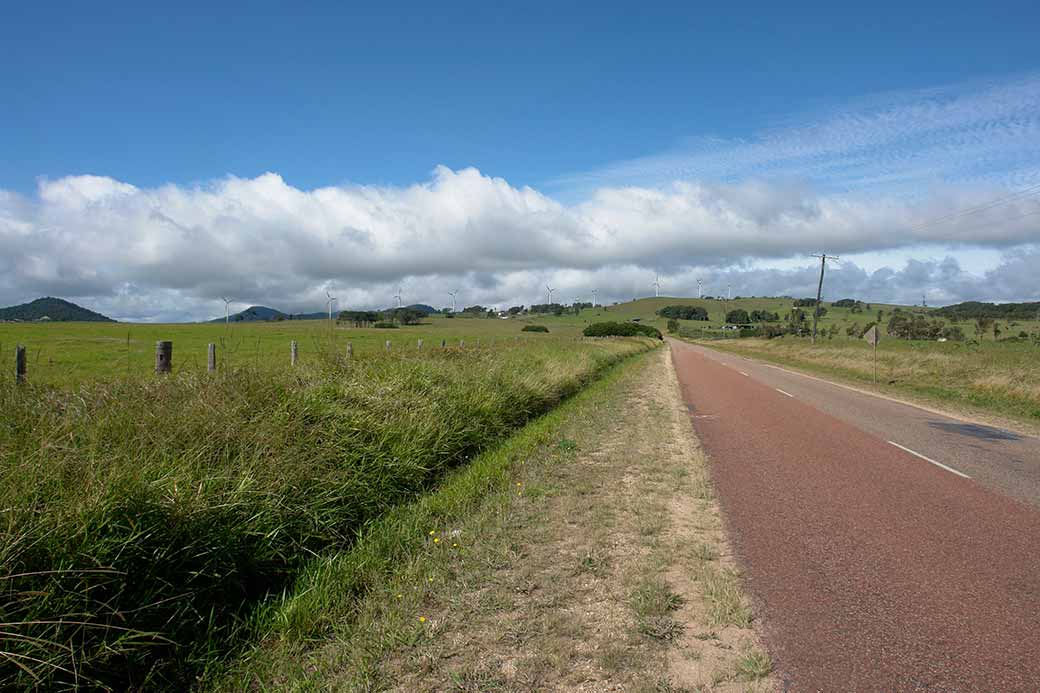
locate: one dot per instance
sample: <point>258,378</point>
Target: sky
<point>153,161</point>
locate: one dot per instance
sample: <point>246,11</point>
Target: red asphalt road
<point>870,569</point>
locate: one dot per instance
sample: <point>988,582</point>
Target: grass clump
<point>534,328</point>
<point>753,664</point>
<point>145,523</point>
<point>653,601</point>
<point>726,603</point>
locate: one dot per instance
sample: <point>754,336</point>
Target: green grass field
<point>147,519</point>
<point>74,353</point>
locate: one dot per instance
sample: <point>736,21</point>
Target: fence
<point>164,361</point>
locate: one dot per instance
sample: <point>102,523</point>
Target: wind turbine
<point>700,289</point>
<point>729,292</point>
<point>227,311</point>
<point>657,286</point>
<point>594,298</point>
<point>331,300</point>
<point>398,297</point>
<point>452,294</point>
<point>550,291</point>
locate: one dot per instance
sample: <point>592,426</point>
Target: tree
<point>683,312</point>
<point>738,316</point>
<point>982,324</point>
<point>673,325</point>
<point>763,316</point>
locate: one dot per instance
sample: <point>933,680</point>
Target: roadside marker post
<point>873,337</point>
<point>388,345</point>
<point>19,364</point>
<point>350,350</point>
<point>211,358</point>
<point>293,352</point>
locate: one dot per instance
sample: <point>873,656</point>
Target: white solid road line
<point>784,393</point>
<point>928,459</point>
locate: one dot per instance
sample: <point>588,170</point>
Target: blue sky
<point>118,116</point>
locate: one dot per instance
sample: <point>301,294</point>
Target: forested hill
<point>55,309</point>
<point>997,311</point>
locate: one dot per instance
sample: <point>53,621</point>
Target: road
<point>872,567</point>
<point>998,458</point>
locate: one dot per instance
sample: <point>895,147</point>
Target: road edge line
<point>929,459</point>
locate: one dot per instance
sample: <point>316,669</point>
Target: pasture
<point>149,519</point>
<point>76,353</point>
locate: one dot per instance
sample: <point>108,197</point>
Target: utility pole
<point>819,291</point>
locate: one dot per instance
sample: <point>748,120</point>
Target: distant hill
<point>1002,311</point>
<point>54,309</point>
<point>262,313</point>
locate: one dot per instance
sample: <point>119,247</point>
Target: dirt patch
<point>606,570</point>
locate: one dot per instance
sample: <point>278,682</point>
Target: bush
<point>385,325</point>
<point>534,328</point>
<point>673,325</point>
<point>683,312</point>
<point>621,329</point>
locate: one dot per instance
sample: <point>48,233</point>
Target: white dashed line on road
<point>744,374</point>
<point>929,459</point>
<point>784,393</point>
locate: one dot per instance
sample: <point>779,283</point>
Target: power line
<point>997,202</point>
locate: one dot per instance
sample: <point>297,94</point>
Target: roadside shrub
<point>673,325</point>
<point>534,328</point>
<point>621,329</point>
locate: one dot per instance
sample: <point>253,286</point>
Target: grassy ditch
<point>144,523</point>
<point>996,377</point>
<point>586,552</point>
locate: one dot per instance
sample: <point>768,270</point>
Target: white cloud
<point>902,142</point>
<point>170,252</point>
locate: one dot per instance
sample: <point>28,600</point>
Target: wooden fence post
<point>388,345</point>
<point>19,364</point>
<point>461,343</point>
<point>444,343</point>
<point>211,358</point>
<point>350,350</point>
<point>419,347</point>
<point>293,352</point>
<point>163,357</point>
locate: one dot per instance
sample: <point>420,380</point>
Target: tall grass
<point>140,524</point>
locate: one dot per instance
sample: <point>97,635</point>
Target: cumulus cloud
<point>170,252</point>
